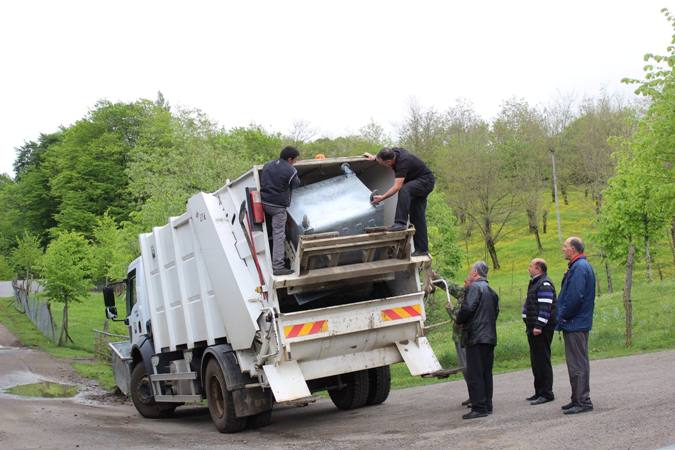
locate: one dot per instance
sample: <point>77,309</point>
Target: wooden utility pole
<point>555,195</point>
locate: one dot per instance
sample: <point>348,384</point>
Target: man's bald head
<point>572,247</point>
<point>537,267</point>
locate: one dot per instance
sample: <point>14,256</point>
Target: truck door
<point>133,313</point>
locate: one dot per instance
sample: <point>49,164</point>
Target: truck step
<point>173,376</point>
<point>178,398</point>
<point>365,269</point>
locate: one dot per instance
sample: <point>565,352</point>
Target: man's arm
<point>469,305</point>
<point>398,184</point>
<point>544,304</point>
<point>294,181</point>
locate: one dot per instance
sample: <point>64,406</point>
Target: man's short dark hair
<point>386,154</point>
<point>289,152</point>
<point>577,244</point>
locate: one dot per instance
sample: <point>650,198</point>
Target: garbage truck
<point>208,320</point>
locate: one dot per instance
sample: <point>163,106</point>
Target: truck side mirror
<point>109,302</point>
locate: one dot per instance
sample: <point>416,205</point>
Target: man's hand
<point>368,156</point>
<point>377,199</point>
<point>536,331</point>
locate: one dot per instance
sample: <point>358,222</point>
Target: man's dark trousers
<point>412,200</point>
<point>578,367</point>
<point>479,360</point>
<point>540,359</point>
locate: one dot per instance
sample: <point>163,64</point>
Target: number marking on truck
<point>305,329</point>
<point>403,312</point>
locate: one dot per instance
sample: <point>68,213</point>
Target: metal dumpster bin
<point>340,204</point>
<point>121,361</point>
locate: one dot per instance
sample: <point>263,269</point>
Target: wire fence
<point>26,300</point>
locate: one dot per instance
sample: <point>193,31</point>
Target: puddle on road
<point>45,389</point>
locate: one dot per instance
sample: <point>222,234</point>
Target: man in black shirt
<point>277,180</point>
<point>413,181</point>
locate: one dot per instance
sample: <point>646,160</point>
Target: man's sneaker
<point>532,398</point>
<point>396,227</point>
<point>568,406</point>
<point>283,271</point>
<point>419,253</point>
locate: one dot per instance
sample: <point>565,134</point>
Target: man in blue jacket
<point>575,318</point>
<point>277,180</point>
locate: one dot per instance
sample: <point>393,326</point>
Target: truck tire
<point>260,420</point>
<point>144,400</point>
<point>355,392</point>
<point>221,405</point>
<point>380,385</point>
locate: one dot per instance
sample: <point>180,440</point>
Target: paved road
<point>634,401</point>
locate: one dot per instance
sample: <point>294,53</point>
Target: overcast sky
<point>334,64</point>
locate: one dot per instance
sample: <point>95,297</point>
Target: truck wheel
<point>144,400</point>
<point>380,385</point>
<point>260,420</point>
<point>221,405</point>
<point>355,392</point>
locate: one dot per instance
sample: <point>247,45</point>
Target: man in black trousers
<point>413,181</point>
<point>478,317</point>
<point>539,317</point>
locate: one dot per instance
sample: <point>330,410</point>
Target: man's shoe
<point>283,271</point>
<point>578,409</point>
<point>467,402</point>
<point>568,406</point>
<point>397,227</point>
<point>532,398</point>
<point>474,415</point>
<point>419,253</point>
<point>540,400</point>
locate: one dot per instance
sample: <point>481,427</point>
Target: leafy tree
<point>640,199</point>
<point>66,274</point>
<point>519,136</point>
<point>6,272</point>
<point>27,257</point>
<point>111,252</point>
<point>90,161</point>
<point>443,235</point>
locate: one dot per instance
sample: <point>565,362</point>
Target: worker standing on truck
<point>277,180</point>
<point>413,181</point>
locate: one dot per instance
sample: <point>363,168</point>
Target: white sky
<point>334,64</point>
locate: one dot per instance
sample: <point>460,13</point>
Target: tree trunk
<point>672,237</point>
<point>64,337</point>
<point>563,190</point>
<point>610,286</point>
<point>627,303</point>
<point>648,260</point>
<point>544,216</point>
<point>489,243</point>
<point>534,227</point>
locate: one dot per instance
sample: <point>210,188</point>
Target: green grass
<point>43,389</point>
<point>83,318</point>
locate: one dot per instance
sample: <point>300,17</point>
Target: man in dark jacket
<point>539,317</point>
<point>478,317</point>
<point>413,182</point>
<point>575,318</point>
<point>277,180</point>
